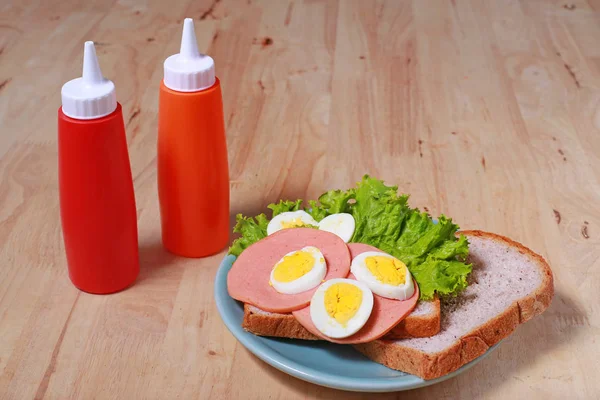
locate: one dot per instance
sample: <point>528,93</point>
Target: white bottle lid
<point>91,96</point>
<point>189,71</point>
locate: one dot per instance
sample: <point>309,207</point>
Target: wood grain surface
<point>487,111</point>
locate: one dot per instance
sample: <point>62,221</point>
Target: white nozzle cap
<point>189,71</point>
<point>91,96</point>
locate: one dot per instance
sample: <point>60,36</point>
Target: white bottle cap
<point>91,96</point>
<point>189,71</point>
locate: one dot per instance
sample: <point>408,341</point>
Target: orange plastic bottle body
<point>193,172</point>
<point>97,203</point>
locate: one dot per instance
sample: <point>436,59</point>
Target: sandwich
<point>362,268</point>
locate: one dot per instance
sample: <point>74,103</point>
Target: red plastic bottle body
<point>97,203</point>
<point>193,173</point>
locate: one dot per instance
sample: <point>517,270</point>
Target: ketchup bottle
<point>97,204</point>
<point>193,175</point>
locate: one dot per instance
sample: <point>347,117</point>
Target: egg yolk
<point>387,270</point>
<point>294,266</point>
<point>294,223</point>
<point>342,301</point>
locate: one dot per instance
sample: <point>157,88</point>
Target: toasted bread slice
<point>509,285</point>
<point>424,321</point>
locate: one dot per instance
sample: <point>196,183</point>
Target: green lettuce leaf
<point>452,249</point>
<point>332,202</point>
<point>443,277</point>
<point>316,211</point>
<point>251,230</point>
<point>285,206</point>
<point>379,213</point>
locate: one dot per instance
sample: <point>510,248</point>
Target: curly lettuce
<point>430,249</point>
<point>251,230</point>
<point>285,206</point>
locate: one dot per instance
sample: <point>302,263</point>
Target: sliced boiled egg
<point>298,271</point>
<point>341,224</point>
<point>290,219</point>
<point>384,274</point>
<point>340,307</point>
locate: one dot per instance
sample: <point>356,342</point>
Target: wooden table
<point>487,112</point>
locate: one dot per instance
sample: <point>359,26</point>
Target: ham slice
<point>385,316</point>
<point>248,279</point>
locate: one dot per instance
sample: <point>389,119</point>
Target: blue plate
<point>323,363</point>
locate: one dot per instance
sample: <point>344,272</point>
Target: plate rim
<point>258,348</point>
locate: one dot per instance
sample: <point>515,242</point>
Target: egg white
<point>341,224</point>
<point>307,281</point>
<point>328,325</point>
<point>362,273</point>
<point>276,223</point>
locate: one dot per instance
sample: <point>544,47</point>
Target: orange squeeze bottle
<point>193,172</point>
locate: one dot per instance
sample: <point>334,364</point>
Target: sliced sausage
<point>248,279</point>
<point>386,314</point>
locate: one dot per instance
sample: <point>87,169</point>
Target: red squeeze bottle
<point>97,203</point>
<point>193,174</point>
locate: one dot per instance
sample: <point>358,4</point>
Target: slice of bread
<point>265,323</point>
<point>509,285</point>
<point>424,321</point>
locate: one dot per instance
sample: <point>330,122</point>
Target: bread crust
<point>476,342</point>
<point>286,326</point>
<point>277,325</point>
